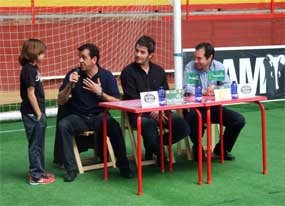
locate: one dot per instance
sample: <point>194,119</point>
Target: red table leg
<point>170,141</point>
<point>105,154</point>
<point>209,172</point>
<point>221,134</point>
<point>162,166</point>
<point>263,127</point>
<point>139,153</point>
<point>200,159</point>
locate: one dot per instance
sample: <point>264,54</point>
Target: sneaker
<point>43,180</point>
<point>48,174</point>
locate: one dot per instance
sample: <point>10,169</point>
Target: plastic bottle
<point>161,96</point>
<point>234,90</point>
<point>198,93</point>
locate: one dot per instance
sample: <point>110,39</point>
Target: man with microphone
<point>84,88</point>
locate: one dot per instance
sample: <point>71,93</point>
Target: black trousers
<point>233,121</point>
<point>72,125</point>
<point>150,133</point>
<point>35,131</point>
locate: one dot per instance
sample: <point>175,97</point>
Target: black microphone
<point>77,70</point>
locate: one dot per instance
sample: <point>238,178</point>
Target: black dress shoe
<point>195,154</point>
<point>227,155</point>
<point>70,176</point>
<point>126,173</point>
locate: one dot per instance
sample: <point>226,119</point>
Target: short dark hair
<point>31,49</point>
<point>209,49</point>
<point>148,42</point>
<point>93,50</point>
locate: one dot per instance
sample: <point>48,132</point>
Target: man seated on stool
<point>141,76</point>
<point>89,85</point>
<point>233,121</point>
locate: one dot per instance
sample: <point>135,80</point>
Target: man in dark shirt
<point>141,76</point>
<point>88,86</point>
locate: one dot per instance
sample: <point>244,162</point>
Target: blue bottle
<point>198,93</point>
<point>161,96</point>
<point>234,89</point>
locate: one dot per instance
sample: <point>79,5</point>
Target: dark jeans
<point>150,132</point>
<point>233,121</point>
<point>72,125</point>
<point>63,111</point>
<point>35,131</point>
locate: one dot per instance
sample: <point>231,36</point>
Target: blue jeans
<point>35,131</point>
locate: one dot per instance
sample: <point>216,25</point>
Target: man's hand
<point>92,86</point>
<point>209,91</point>
<point>74,77</point>
<point>155,115</point>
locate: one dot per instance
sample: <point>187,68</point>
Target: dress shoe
<point>126,173</point>
<point>227,155</point>
<point>70,176</point>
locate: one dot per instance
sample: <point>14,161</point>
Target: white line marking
<point>48,127</point>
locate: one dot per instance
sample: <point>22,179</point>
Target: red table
<point>208,103</point>
<point>134,106</point>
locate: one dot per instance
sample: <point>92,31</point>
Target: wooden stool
<point>90,163</point>
<point>125,124</point>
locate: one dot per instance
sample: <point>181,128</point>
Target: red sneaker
<point>43,180</point>
<point>48,174</point>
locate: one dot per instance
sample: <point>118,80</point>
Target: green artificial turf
<point>234,183</point>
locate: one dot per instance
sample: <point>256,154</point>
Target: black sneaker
<point>195,154</point>
<point>227,155</point>
<point>126,173</point>
<point>70,176</point>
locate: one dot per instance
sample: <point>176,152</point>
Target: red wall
<point>119,52</point>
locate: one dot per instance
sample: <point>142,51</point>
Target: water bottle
<point>161,96</point>
<point>234,90</point>
<point>198,93</point>
<point>187,90</point>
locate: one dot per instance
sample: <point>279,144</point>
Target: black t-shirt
<point>31,77</point>
<point>135,80</point>
<point>84,102</point>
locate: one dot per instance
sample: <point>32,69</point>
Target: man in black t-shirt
<point>89,85</point>
<point>141,76</point>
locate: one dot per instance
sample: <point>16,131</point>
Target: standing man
<point>234,122</point>
<point>140,76</point>
<point>89,85</point>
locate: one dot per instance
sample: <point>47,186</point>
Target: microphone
<point>77,70</point>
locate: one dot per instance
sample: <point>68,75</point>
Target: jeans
<point>35,131</point>
<point>73,124</point>
<point>233,121</point>
<point>150,133</point>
